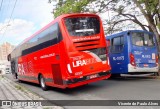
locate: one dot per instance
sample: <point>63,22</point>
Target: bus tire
<point>42,83</point>
<point>156,74</point>
<point>19,81</point>
<point>113,76</point>
<point>16,76</point>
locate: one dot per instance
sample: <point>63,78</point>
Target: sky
<point>28,16</point>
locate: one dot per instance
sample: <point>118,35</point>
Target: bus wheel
<point>42,83</point>
<point>113,76</point>
<point>19,81</point>
<point>156,74</point>
<point>16,76</point>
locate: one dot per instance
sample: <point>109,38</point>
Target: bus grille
<point>85,45</point>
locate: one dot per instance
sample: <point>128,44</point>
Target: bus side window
<point>59,34</point>
<point>49,36</point>
<point>117,44</point>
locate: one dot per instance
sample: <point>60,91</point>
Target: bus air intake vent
<point>84,45</point>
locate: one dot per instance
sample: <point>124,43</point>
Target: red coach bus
<point>68,52</point>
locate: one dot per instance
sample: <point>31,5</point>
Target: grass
<point>46,108</point>
<point>18,87</point>
<point>1,76</point>
<point>27,91</point>
<point>158,77</point>
<point>52,107</point>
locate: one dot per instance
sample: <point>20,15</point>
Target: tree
<point>151,11</point>
<point>126,13</point>
<point>70,6</point>
<point>99,6</point>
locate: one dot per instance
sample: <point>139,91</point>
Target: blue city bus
<point>133,52</point>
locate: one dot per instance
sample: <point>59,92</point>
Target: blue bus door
<point>118,57</point>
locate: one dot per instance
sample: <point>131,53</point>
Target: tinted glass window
<point>49,34</point>
<point>117,44</point>
<point>82,26</point>
<point>142,39</point>
<point>46,38</point>
<point>116,41</point>
<point>32,42</point>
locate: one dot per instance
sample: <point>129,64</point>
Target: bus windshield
<point>142,39</point>
<point>82,26</point>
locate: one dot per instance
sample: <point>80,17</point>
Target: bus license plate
<point>145,65</point>
<point>93,76</point>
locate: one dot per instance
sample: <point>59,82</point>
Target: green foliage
<point>150,5</point>
<point>124,11</point>
<point>18,87</point>
<point>151,11</point>
<point>71,6</point>
<point>158,25</point>
<point>152,8</point>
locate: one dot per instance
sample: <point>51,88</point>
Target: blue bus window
<point>142,39</point>
<point>148,40</point>
<point>117,44</point>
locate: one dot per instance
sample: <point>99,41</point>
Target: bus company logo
<point>21,69</point>
<point>138,60</point>
<point>145,48</point>
<point>152,61</point>
<point>77,58</point>
<point>86,38</point>
<point>47,55</point>
<point>84,62</point>
<point>146,56</point>
<point>137,52</point>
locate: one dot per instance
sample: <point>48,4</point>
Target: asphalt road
<point>111,89</point>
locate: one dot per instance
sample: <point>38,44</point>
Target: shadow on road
<point>87,87</point>
<point>112,82</point>
<point>123,78</point>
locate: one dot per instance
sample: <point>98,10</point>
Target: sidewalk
<point>9,90</point>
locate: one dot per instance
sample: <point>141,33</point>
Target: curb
<point>154,77</point>
<point>32,95</point>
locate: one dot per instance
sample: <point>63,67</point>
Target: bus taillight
<point>69,68</point>
<point>132,60</point>
<point>108,46</point>
<point>108,59</point>
<point>157,60</point>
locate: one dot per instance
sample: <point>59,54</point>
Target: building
<point>5,49</point>
<point>5,67</point>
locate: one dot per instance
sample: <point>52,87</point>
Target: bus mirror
<point>9,57</point>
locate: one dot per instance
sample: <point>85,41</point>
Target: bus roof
<point>56,20</point>
<point>125,32</point>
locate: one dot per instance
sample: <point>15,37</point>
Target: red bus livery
<point>68,52</point>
